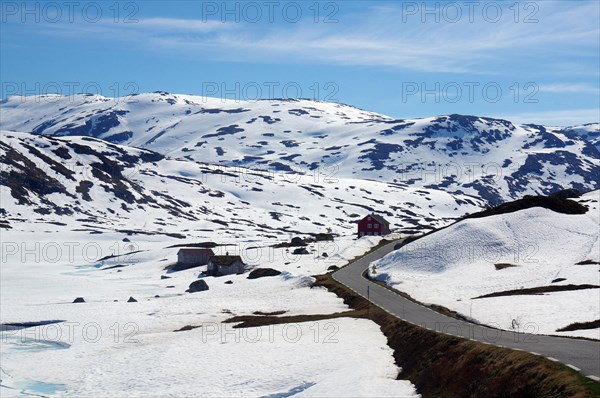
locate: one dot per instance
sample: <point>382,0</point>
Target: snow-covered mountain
<point>590,132</point>
<point>103,186</point>
<point>85,218</point>
<point>493,159</point>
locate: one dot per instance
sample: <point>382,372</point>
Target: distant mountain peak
<point>481,156</point>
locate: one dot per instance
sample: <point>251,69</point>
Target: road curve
<point>581,355</point>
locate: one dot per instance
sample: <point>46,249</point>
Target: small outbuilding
<point>192,257</point>
<point>373,225</point>
<point>225,265</point>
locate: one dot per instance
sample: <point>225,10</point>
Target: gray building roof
<point>194,251</point>
<point>225,260</point>
<point>380,219</point>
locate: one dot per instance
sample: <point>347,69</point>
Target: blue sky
<point>533,62</point>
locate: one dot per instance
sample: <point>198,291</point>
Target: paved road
<point>582,355</point>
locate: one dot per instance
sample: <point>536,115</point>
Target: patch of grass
<point>588,262</point>
<point>445,366</point>
<point>580,326</point>
<point>500,266</point>
<point>250,321</point>
<point>204,245</point>
<point>539,290</point>
<point>187,327</point>
<point>273,313</point>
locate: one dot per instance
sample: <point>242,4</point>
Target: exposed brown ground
<point>539,290</point>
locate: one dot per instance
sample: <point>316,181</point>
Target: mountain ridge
<point>88,182</point>
<point>477,156</point>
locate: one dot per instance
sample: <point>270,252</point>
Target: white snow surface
<point>454,265</point>
<point>110,347</point>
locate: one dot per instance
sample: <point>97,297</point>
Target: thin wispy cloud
<point>375,37</point>
<point>144,30</point>
<point>577,88</point>
<point>371,45</point>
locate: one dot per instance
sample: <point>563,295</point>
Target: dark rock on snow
<point>297,241</point>
<point>323,237</point>
<point>197,286</point>
<point>263,272</point>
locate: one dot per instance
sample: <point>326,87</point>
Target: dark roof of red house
<point>196,251</point>
<point>225,260</point>
<point>378,218</point>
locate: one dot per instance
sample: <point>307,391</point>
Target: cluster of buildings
<point>216,265</point>
<point>370,225</point>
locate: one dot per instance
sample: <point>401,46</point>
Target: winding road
<point>581,355</point>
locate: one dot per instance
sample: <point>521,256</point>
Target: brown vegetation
<point>588,262</point>
<point>539,290</point>
<point>580,326</point>
<point>500,266</point>
<point>269,313</point>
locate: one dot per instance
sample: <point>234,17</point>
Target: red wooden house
<point>373,225</point>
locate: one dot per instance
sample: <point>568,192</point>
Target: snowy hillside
<point>590,132</point>
<point>99,194</point>
<point>531,248</point>
<point>85,218</point>
<point>105,187</point>
<point>488,158</point>
<point>106,343</point>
